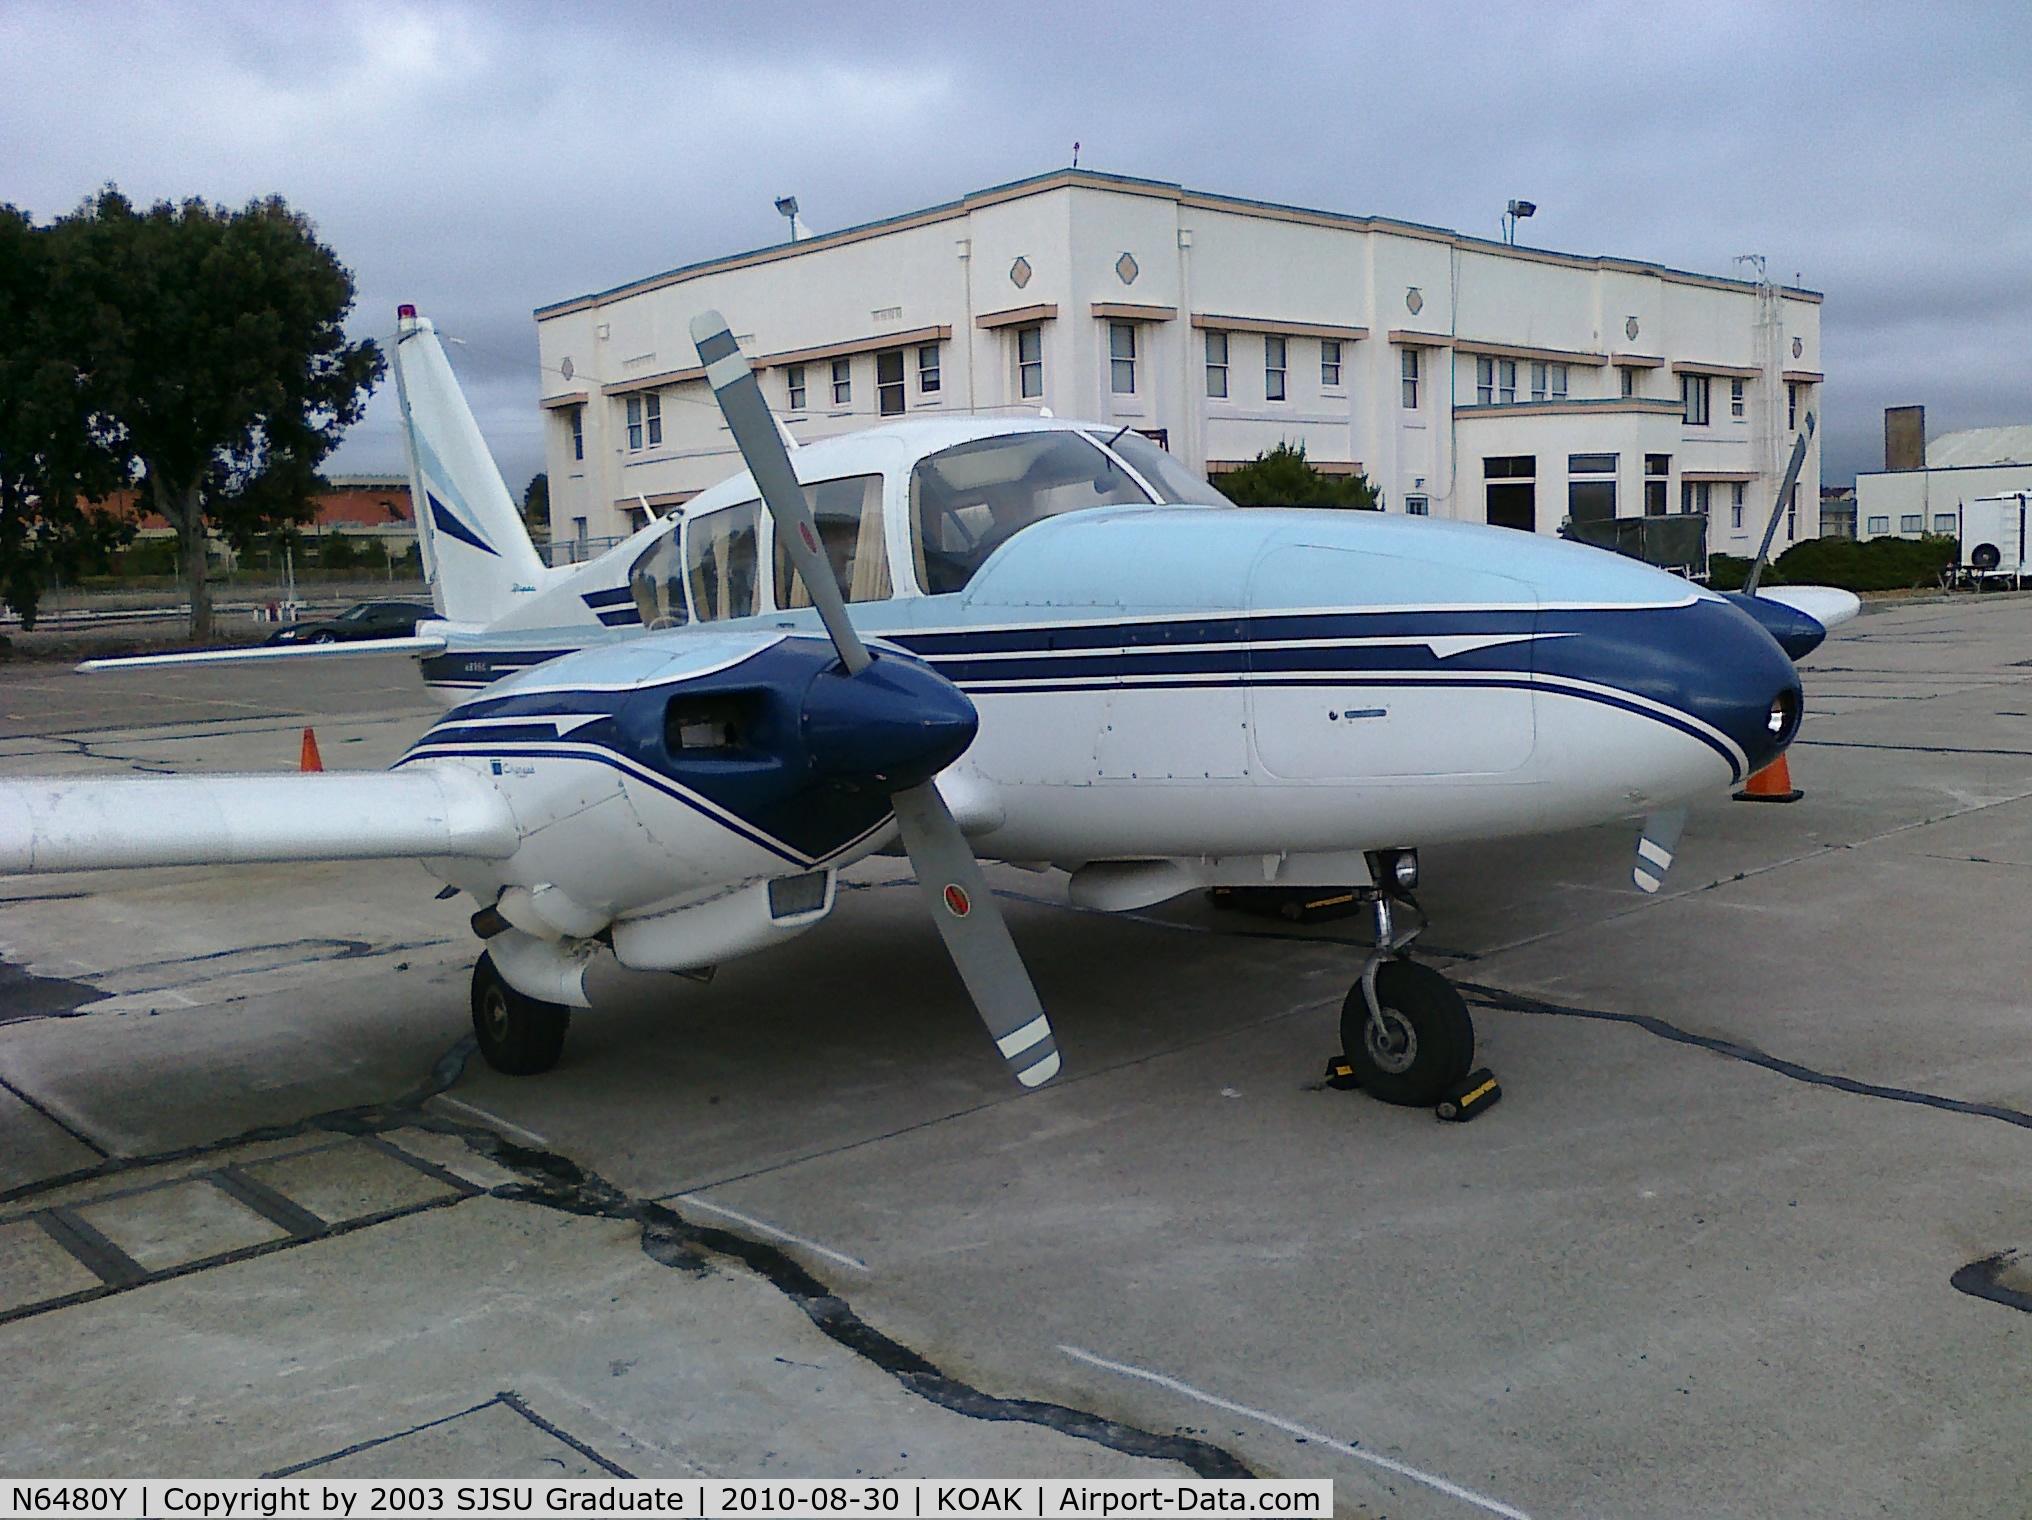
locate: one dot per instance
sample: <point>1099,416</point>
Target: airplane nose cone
<point>896,724</point>
<point>1746,684</point>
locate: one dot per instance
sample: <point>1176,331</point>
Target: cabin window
<point>1122,358</point>
<point>793,379</point>
<point>657,581</point>
<point>927,370</point>
<point>848,516</point>
<point>889,383</point>
<point>720,561</point>
<point>1274,355</point>
<point>645,422</point>
<point>965,502</point>
<point>1217,365</point>
<point>843,382</point>
<point>1329,362</point>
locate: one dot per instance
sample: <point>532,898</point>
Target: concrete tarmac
<point>1739,1239</point>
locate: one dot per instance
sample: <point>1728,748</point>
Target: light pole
<point>1512,214</point>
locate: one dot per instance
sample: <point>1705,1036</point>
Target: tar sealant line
<point>494,1119</point>
<point>764,1228</point>
<point>1304,1433</point>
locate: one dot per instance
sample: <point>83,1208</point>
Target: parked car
<point>369,620</point>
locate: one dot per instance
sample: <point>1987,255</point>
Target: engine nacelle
<point>738,922</point>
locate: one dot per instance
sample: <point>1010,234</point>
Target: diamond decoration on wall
<point>1019,272</point>
<point>1630,327</point>
<point>1126,269</point>
<point>565,368</point>
<point>1798,348</point>
<point>1414,300</point>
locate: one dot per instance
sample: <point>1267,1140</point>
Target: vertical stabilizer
<point>476,551</point>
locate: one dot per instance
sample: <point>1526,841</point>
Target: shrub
<point>1877,564</point>
<point>336,552</point>
<point>1283,478</point>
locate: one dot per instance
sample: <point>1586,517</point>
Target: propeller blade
<point>1655,848</point>
<point>968,919</point>
<point>754,429</point>
<point>975,934</point>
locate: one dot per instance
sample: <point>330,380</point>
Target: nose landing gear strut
<point>1405,1031</point>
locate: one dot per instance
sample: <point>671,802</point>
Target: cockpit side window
<point>848,515</point>
<point>657,580</point>
<point>965,502</point>
<point>720,559</point>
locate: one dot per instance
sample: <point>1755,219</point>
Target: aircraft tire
<point>1435,1033</point>
<point>519,1036</point>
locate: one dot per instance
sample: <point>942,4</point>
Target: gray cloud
<point>484,160</point>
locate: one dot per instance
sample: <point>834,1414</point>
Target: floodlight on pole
<point>1512,214</point>
<point>786,207</point>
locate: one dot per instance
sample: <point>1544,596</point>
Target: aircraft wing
<point>89,823</point>
<point>1829,606</point>
<point>425,643</point>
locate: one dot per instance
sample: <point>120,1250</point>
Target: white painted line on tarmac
<point>1431,1480</point>
<point>770,1230</point>
<point>494,1119</point>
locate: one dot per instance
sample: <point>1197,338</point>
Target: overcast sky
<point>484,160</point>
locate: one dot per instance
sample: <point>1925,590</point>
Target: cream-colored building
<point>1467,379</point>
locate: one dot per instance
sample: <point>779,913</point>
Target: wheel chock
<point>1340,1075</point>
<point>1474,1096</point>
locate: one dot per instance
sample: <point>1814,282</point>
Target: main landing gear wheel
<point>518,1035</point>
<point>1427,1040</point>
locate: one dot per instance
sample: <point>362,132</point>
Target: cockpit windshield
<point>966,501</point>
<point>1170,479</point>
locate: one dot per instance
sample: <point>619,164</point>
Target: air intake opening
<point>717,724</point>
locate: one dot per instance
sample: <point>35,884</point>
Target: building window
<point>1591,500</point>
<point>1217,365</point>
<point>1417,506</point>
<point>1510,491</point>
<point>794,378</point>
<point>1273,368</point>
<point>1943,522</point>
<point>1030,362</point>
<point>1693,497</point>
<point>1657,469</point>
<point>1736,399</point>
<point>1410,379</point>
<point>1736,508</point>
<point>1548,382</point>
<point>1911,522</point>
<point>927,370</point>
<point>1693,397</point>
<point>889,383</point>
<point>1629,380</point>
<point>1122,358</point>
<point>1506,382</point>
<point>645,422</point>
<point>1496,382</point>
<point>1792,406</point>
<point>843,382</point>
<point>576,416</point>
<point>1485,382</point>
<point>1330,361</point>
<point>1877,525</point>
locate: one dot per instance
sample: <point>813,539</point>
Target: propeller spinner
<point>961,903</point>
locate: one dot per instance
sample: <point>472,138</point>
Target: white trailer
<point>1993,543</point>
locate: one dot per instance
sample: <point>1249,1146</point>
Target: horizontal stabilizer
<point>421,644</point>
<point>89,823</point>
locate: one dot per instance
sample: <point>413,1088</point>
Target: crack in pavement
<point>554,1181</point>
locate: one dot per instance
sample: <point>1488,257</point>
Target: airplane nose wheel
<point>1406,1032</point>
<point>518,1035</point>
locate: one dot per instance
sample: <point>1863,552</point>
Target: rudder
<point>476,551</point>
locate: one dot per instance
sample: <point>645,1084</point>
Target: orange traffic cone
<point>1772,784</point>
<point>311,760</point>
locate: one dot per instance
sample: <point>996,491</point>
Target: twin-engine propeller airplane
<point>1037,641</point>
